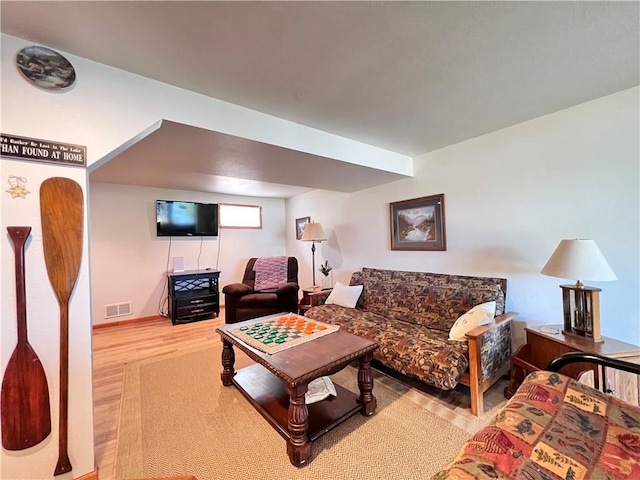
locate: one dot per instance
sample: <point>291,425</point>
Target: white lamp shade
<point>313,232</point>
<point>579,259</point>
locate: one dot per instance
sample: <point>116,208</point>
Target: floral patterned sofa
<point>556,428</point>
<point>409,315</point>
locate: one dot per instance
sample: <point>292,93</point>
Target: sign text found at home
<point>43,150</point>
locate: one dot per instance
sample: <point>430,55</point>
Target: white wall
<point>510,197</point>
<point>43,326</point>
<point>128,260</point>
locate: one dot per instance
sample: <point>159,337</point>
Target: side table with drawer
<point>543,346</point>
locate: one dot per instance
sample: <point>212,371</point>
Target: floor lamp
<point>313,232</point>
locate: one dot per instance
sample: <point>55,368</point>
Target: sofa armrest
<point>288,296</point>
<point>286,288</point>
<point>237,289</point>
<point>489,356</point>
<point>497,321</point>
<point>319,297</point>
<point>490,347</point>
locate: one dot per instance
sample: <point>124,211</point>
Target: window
<point>240,216</point>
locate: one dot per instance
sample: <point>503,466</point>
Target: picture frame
<point>46,68</point>
<point>418,224</point>
<point>300,224</point>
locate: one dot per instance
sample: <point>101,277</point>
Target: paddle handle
<point>64,464</point>
<point>19,237</point>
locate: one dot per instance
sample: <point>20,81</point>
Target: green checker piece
<point>283,335</point>
<point>242,329</point>
<point>280,340</point>
<point>257,325</point>
<point>267,340</point>
<point>259,337</point>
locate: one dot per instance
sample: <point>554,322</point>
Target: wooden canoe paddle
<point>61,213</point>
<point>25,411</point>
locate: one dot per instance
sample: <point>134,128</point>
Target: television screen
<point>174,219</point>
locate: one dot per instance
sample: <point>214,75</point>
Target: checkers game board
<point>275,333</point>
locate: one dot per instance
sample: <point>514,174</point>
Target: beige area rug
<point>177,418</point>
<point>451,405</point>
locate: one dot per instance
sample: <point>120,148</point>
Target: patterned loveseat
<point>554,427</point>
<point>409,315</point>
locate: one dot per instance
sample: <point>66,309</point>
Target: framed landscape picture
<point>300,224</point>
<point>418,224</point>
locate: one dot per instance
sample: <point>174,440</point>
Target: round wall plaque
<point>45,67</point>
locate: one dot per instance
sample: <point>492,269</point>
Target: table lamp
<point>313,232</point>
<point>580,259</point>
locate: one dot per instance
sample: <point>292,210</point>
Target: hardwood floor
<point>113,347</point>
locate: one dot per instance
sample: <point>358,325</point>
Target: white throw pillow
<point>344,295</point>
<point>479,315</point>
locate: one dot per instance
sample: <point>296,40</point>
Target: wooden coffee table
<point>277,383</point>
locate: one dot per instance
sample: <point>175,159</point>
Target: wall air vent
<point>117,310</point>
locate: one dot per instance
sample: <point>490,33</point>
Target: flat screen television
<point>180,219</point>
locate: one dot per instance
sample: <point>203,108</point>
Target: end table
<point>312,296</point>
<point>543,346</point>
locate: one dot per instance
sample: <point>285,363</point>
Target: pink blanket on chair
<point>270,272</point>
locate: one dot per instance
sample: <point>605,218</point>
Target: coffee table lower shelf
<point>268,394</point>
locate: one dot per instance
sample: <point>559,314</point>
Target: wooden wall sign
<point>42,150</point>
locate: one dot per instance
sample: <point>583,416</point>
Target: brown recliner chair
<point>242,302</point>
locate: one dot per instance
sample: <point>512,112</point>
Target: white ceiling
<point>240,166</point>
<point>410,77</point>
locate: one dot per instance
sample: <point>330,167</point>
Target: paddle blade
<point>61,207</point>
<point>26,415</point>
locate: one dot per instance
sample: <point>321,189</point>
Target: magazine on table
<point>319,389</point>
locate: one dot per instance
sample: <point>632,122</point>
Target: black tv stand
<point>193,295</point>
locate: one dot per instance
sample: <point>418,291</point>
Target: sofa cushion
<point>479,315</point>
<point>429,299</point>
<point>346,296</point>
<point>554,427</point>
<point>411,349</point>
<point>259,300</point>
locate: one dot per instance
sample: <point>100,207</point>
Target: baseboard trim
<point>89,476</point>
<point>131,321</point>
